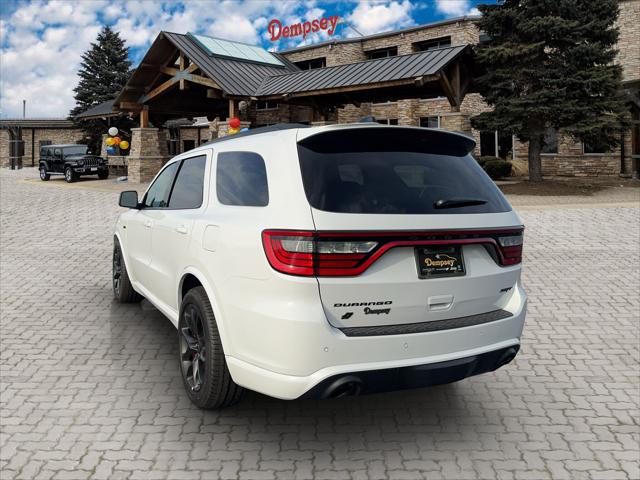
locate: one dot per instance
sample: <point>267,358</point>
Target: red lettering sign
<point>277,30</point>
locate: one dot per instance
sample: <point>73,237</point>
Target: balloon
<point>109,141</point>
<point>124,145</point>
<point>116,140</point>
<point>232,131</point>
<point>113,131</point>
<point>245,129</point>
<point>234,122</point>
<point>111,150</point>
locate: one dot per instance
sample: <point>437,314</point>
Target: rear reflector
<point>339,254</point>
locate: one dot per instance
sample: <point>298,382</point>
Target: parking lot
<point>91,388</point>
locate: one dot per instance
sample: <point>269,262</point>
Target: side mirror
<point>129,199</point>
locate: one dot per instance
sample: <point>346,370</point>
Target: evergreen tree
<point>104,71</point>
<point>549,63</point>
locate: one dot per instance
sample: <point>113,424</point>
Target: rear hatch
<point>409,228</point>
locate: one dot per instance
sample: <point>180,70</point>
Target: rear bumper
<point>415,376</point>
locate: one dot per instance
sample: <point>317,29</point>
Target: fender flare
<point>227,344</point>
<point>116,236</point>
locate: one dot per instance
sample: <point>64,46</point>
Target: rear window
<point>395,171</point>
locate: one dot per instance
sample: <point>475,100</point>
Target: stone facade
<point>570,159</point>
<point>32,138</point>
<point>629,41</point>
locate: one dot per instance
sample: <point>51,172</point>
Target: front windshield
<point>75,150</point>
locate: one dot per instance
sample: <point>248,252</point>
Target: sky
<point>41,42</point>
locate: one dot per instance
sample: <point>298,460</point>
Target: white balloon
<point>113,131</point>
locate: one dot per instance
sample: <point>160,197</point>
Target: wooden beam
<point>158,90</point>
<point>131,106</point>
<point>202,81</point>
<point>182,62</point>
<point>232,108</point>
<point>449,92</point>
<point>144,117</point>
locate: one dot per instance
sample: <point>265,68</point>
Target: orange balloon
<point>116,140</point>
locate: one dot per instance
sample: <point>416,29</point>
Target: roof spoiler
<point>376,137</point>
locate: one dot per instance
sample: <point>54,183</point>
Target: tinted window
<point>189,185</point>
<point>158,194</point>
<point>394,171</point>
<point>76,150</point>
<point>241,179</point>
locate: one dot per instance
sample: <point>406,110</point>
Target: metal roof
<point>368,72</point>
<point>235,76</point>
<point>104,109</point>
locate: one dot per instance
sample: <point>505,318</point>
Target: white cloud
<point>374,16</point>
<point>42,41</point>
<point>456,8</point>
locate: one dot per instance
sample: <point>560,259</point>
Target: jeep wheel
<point>44,176</point>
<point>69,175</point>
<point>122,289</point>
<point>103,174</point>
<point>202,363</point>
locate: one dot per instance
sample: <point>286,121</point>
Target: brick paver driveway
<point>91,389</point>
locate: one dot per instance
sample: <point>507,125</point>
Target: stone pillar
<point>213,128</point>
<point>148,153</point>
<point>103,146</point>
<point>408,112</point>
<point>322,123</point>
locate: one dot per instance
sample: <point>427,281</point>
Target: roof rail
<point>256,131</point>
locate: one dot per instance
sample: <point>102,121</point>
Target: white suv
<point>315,262</point>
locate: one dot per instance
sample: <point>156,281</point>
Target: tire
<point>199,344</point>
<point>44,176</point>
<point>122,289</point>
<point>69,175</point>
<point>103,175</point>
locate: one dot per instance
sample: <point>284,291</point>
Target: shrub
<point>497,168</point>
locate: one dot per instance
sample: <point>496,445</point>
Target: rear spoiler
<point>360,137</point>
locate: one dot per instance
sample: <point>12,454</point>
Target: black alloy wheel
<point>193,348</point>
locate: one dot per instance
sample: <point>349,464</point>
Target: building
<point>187,86</point>
<point>34,134</point>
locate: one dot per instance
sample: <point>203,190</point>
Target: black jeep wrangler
<point>71,161</point>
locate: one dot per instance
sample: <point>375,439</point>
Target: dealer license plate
<point>439,261</point>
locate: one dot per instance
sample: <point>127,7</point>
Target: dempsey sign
<point>277,30</point>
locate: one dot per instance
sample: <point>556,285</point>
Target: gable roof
<point>104,109</point>
<point>380,70</point>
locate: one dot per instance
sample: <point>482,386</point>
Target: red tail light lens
<point>339,254</point>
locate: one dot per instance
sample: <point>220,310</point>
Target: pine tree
<point>104,71</point>
<point>550,64</point>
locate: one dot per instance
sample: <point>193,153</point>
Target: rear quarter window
<point>395,171</point>
<point>241,179</point>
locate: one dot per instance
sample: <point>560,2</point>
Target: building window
<point>382,53</point>
<point>241,179</point>
<point>266,105</point>
<point>430,122</point>
<point>550,141</point>
<point>496,144</point>
<point>188,145</point>
<point>388,121</point>
<point>312,63</point>
<point>431,44</point>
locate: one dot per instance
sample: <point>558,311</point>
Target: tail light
<point>340,254</point>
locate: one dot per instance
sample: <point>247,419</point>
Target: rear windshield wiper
<point>458,202</point>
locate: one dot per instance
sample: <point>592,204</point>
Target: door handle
<point>148,224</point>
<point>182,229</point>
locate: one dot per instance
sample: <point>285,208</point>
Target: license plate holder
<point>94,169</point>
<point>440,261</point>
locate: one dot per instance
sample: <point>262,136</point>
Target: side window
<point>57,152</point>
<point>158,194</point>
<point>241,179</point>
<point>189,185</point>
